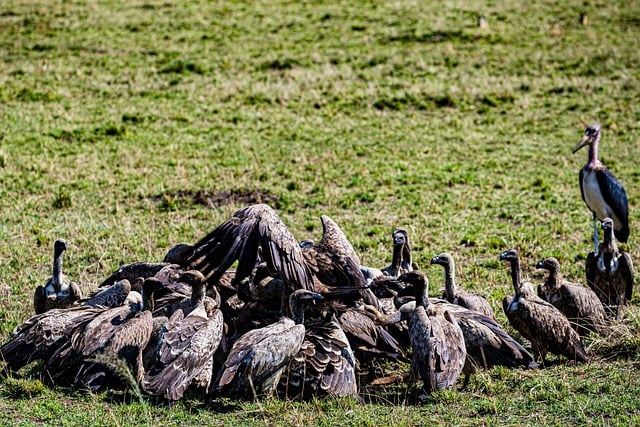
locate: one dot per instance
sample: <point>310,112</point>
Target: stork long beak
<point>586,140</point>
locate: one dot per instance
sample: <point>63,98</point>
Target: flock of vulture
<point>302,319</point>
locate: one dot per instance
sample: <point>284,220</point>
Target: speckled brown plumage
<point>538,321</point>
<point>324,366</point>
<point>335,264</point>
<point>439,351</point>
<point>41,335</point>
<point>252,230</point>
<point>98,350</point>
<point>578,303</point>
<point>186,346</point>
<point>258,358</point>
<point>112,296</point>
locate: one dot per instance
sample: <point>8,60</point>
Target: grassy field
<point>128,127</point>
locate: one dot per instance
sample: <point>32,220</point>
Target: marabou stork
<point>601,191</point>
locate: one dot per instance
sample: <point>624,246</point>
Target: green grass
<point>124,125</point>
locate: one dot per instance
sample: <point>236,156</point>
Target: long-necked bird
<point>601,191</point>
<point>610,272</point>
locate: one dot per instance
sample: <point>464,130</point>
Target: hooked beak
<point>586,140</point>
<point>540,264</point>
<point>314,296</point>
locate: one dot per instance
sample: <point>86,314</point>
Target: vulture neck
<point>422,296</point>
<point>396,260</point>
<point>516,277</point>
<point>553,281</point>
<point>56,275</point>
<point>450,280</point>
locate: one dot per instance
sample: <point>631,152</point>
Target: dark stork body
<point>579,303</point>
<point>458,296</point>
<point>59,292</point>
<point>439,350</point>
<point>601,191</point>
<point>610,272</point>
<point>186,346</point>
<point>537,320</point>
<point>258,358</point>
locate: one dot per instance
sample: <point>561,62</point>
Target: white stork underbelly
<point>595,201</point>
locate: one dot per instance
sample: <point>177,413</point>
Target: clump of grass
<point>120,368</point>
<point>622,337</point>
<point>62,200</point>
<point>22,388</point>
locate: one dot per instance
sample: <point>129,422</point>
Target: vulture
<point>41,335</point>
<point>259,357</point>
<point>252,233</point>
<point>610,272</point>
<point>111,296</point>
<point>454,294</point>
<point>335,264</point>
<point>439,350</point>
<point>107,350</point>
<point>325,364</point>
<point>401,260</point>
<point>578,303</point>
<point>486,342</point>
<point>58,292</point>
<point>537,320</point>
<point>186,346</point>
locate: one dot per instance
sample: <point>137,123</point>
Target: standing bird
<point>439,350</point>
<point>579,303</point>
<point>601,191</point>
<point>458,296</point>
<point>58,292</point>
<point>537,320</point>
<point>401,261</point>
<point>486,342</point>
<point>258,358</point>
<point>186,346</point>
<point>610,272</point>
